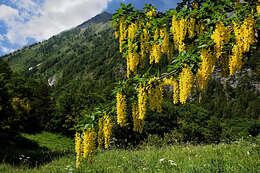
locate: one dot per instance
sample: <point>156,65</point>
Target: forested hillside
<point>81,65</point>
<point>88,51</point>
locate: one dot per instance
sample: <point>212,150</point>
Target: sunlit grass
<point>239,156</point>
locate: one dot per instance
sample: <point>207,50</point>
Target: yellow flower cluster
<point>107,129</point>
<point>132,57</point>
<point>206,68</point>
<point>166,82</point>
<point>191,26</point>
<point>235,60</point>
<point>155,97</point>
<point>128,34</point>
<point>145,46</point>
<point>78,149</point>
<point>123,33</point>
<point>176,91</point>
<point>179,30</point>
<point>258,8</point>
<point>151,13</point>
<point>248,30</point>
<point>164,35</point>
<point>121,109</point>
<point>141,102</point>
<point>185,84</point>
<point>220,36</point>
<point>245,37</point>
<point>89,143</point>
<point>20,105</point>
<point>138,123</point>
<point>155,54</point>
<point>156,34</point>
<point>100,133</point>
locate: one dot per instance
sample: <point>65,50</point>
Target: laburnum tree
<point>179,48</point>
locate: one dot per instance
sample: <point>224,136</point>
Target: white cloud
<point>6,50</point>
<point>50,18</point>
<point>7,12</point>
<point>27,7</point>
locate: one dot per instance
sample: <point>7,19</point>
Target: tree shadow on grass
<point>19,151</point>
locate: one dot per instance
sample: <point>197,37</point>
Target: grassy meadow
<point>47,152</point>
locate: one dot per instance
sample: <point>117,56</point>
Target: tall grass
<point>238,157</point>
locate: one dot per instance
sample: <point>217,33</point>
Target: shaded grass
<point>34,150</point>
<point>240,156</point>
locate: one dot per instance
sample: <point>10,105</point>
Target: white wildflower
<point>172,162</point>
<point>161,160</point>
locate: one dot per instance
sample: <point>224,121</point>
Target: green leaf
<point>203,46</point>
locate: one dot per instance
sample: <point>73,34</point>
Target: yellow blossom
<point>151,13</point>
<point>155,95</point>
<point>185,84</point>
<point>235,60</point>
<point>206,68</point>
<point>107,129</point>
<point>141,102</point>
<point>220,36</point>
<point>164,35</point>
<point>191,26</point>
<point>123,33</point>
<point>100,133</point>
<point>78,149</point>
<point>179,30</point>
<point>137,123</point>
<point>89,143</point>
<point>245,37</point>
<point>121,109</point>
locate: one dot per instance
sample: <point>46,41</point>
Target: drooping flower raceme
<point>121,109</point>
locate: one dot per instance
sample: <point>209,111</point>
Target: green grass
<point>237,157</point>
<point>27,151</point>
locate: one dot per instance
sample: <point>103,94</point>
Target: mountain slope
<point>69,54</point>
<point>81,65</point>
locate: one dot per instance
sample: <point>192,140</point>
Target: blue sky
<point>24,22</point>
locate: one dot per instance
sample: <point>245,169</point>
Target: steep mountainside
<point>87,50</point>
<point>81,64</point>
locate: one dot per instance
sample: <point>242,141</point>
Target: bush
<point>161,123</point>
<point>193,122</point>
